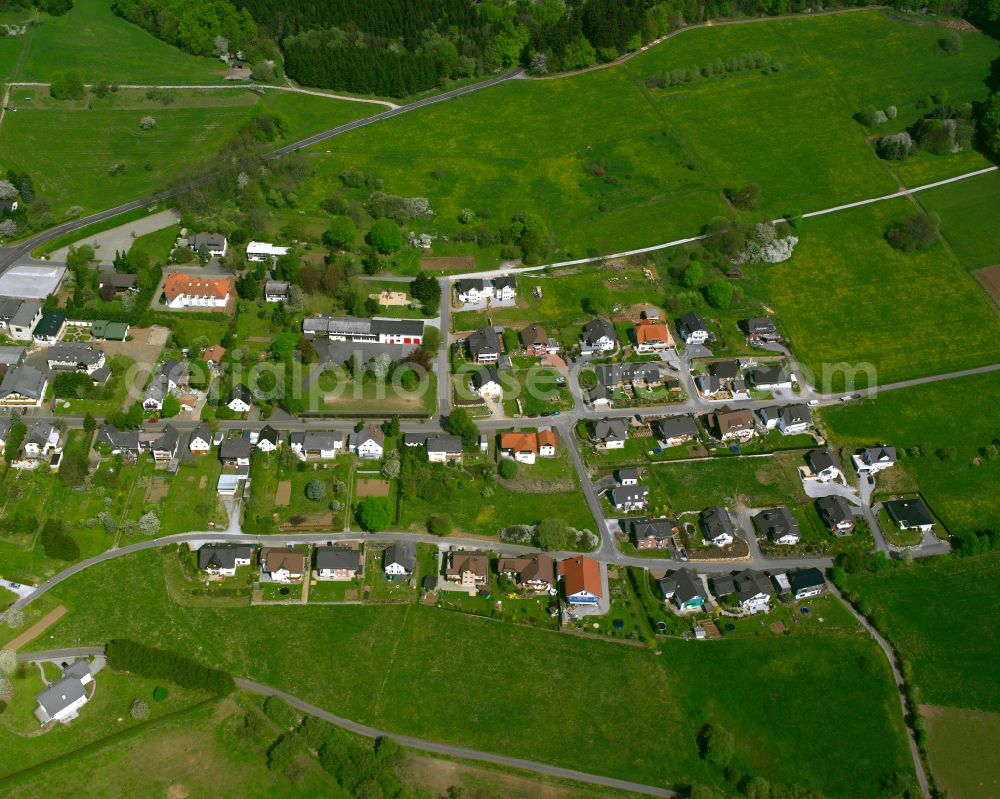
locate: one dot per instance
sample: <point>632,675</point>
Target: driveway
<point>109,242</point>
<point>21,590</point>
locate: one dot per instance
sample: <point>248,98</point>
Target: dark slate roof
<point>835,509</point>
<point>613,374</point>
<point>796,414</point>
<point>597,329</point>
<point>805,578</point>
<point>60,695</point>
<point>657,528</point>
<point>682,584</point>
<point>688,323</point>
<point>398,327</point>
<point>441,443</point>
<point>484,375</point>
<point>468,284</point>
<point>268,433</point>
<point>50,324</point>
<point>24,380</point>
<point>716,521</point>
<point>167,442</point>
<point>503,281</point>
<point>239,391</point>
<point>909,512</point>
<point>768,374</point>
<point>202,431</point>
<point>127,440</point>
<point>776,521</point>
<point>821,459</point>
<point>222,556</point>
<point>725,370</point>
<point>338,558</point>
<point>233,448</point>
<point>876,454</point>
<point>676,426</point>
<point>611,428</point>
<point>404,553</point>
<point>68,352</point>
<point>628,473</point>
<point>484,341</point>
<point>760,325</point>
<point>620,494</point>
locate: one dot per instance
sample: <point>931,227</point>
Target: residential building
<point>239,399</point>
<point>636,375</point>
<point>734,424</point>
<point>484,345</point>
<point>675,430</point>
<point>337,563</point>
<point>652,337</point>
<point>807,583</point>
<point>629,498</point>
<point>910,514</point>
<point>165,381</point>
<point>8,307</point>
<point>468,569</point>
<point>652,533</point>
<point>77,357</point>
<point>235,451</point>
<point>321,446</point>
<point>11,356</point>
<point>62,700</point>
<point>627,476</point>
<point>162,446</point>
<point>772,377</point>
<point>261,251</point>
<point>444,449</point>
<point>400,559</point>
<point>504,288</point>
<point>794,419</point>
<point>109,331</point>
<point>222,560</point>
<point>709,385</point>
<point>369,443</point>
<point>598,338</point>
<point>213,355</point>
<point>824,466</point>
<point>269,439</point>
<point>524,447</point>
<point>41,439</point>
<point>212,244</point>
<point>599,396</point>
<point>473,290</point>
<point>684,589</point>
<point>761,329</point>
<point>363,331</point>
<point>24,321</point>
<point>113,284</point>
<point>837,513</point>
<point>873,460</point>
<point>582,581</point>
<point>23,387</point>
<point>611,433</point>
<point>778,524</point>
<point>752,589</point>
<point>200,441</point>
<point>50,328</point>
<point>692,329</point>
<point>717,528</point>
<point>534,339</point>
<point>486,383</point>
<point>180,290</point>
<point>132,443</point>
<point>283,565</point>
<point>276,290</point>
<point>724,370</point>
<point>534,572</point>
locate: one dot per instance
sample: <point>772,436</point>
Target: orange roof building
<point>183,291</point>
<point>546,438</point>
<point>582,582</point>
<point>650,336</point>
<point>213,354</point>
<point>519,442</point>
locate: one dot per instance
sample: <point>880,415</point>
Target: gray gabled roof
<point>614,429</point>
<point>821,459</point>
<point>78,669</point>
<point>628,473</point>
<point>504,281</point>
<point>321,441</point>
<point>876,454</point>
<point>447,444</point>
<point>25,314</point>
<point>776,521</point>
<point>239,391</point>
<point>909,512</point>
<point>222,556</point>
<point>484,341</point>
<point>39,433</point>
<point>835,509</point>
<point>268,433</point>
<point>202,431</point>
<point>465,285</point>
<point>796,414</point>
<point>403,553</point>
<point>233,448</point>
<point>337,558</point>
<point>725,370</point>
<point>72,353</point>
<point>683,585</point>
<point>485,375</point>
<point>676,426</point>
<point>690,322</point>
<point>597,329</point>
<point>655,528</point>
<point>127,440</point>
<point>167,442</point>
<point>623,494</point>
<point>760,325</point>
<point>717,521</point>
<point>768,374</point>
<point>60,695</point>
<point>805,578</point>
<point>26,381</point>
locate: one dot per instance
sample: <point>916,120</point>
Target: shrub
<point>716,744</point>
<point>508,468</point>
<point>147,123</point>
<point>160,693</point>
<point>951,43</point>
<point>385,236</point>
<point>374,514</point>
<point>896,147</point>
<point>315,490</point>
<point>139,709</point>
<point>341,233</point>
<point>915,233</point>
<point>719,293</point>
<point>281,713</point>
<point>745,198</point>
<point>439,524</point>
<point>554,534</point>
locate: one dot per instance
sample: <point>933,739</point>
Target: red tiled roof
<point>180,283</point>
<point>652,332</point>
<point>519,442</point>
<point>581,574</point>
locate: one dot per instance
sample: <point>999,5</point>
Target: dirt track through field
<point>37,628</point>
<point>990,278</point>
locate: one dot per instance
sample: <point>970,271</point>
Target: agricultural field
<point>959,487</point>
<point>968,210</point>
<point>956,740</point>
<point>45,138</point>
<point>847,297</point>
<point>951,645</point>
<point>642,166</point>
<point>630,690</point>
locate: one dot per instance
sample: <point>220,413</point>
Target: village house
<point>283,565</point>
<point>772,377</point>
<point>536,341</point>
<point>794,419</point>
<point>734,424</point>
<point>337,563</point>
<point>652,533</point>
<point>484,345</point>
<point>23,387</point>
<point>675,430</point>
<point>262,251</point>
<point>166,380</point>
<point>235,451</point>
<point>469,569</point>
<point>806,583</point>
<point>837,513</point>
<point>652,337</point>
<point>181,291</point>
<point>582,582</point>
<point>42,438</point>
<point>598,338</point>
<point>504,288</point>
<point>269,439</point>
<point>214,245</point>
<point>400,559</point>
<point>276,290</point>
<point>717,528</point>
<point>752,589</point>
<point>132,443</point>
<point>628,476</point>
<point>116,284</point>
<point>62,700</point>
<point>824,466</point>
<point>910,514</point>
<point>11,356</point>
<point>610,433</point>
<point>532,572</point>
<point>778,524</point>
<point>239,399</point>
<point>213,356</point>
<point>636,375</point>
<point>525,447</point>
<point>692,329</point>
<point>444,449</point>
<point>222,560</point>
<point>200,441</point>
<point>473,290</point>
<point>321,446</point>
<point>629,498</point>
<point>364,331</point>
<point>760,330</point>
<point>684,589</point>
<point>873,460</point>
<point>369,443</point>
<point>27,316</point>
<point>75,357</point>
<point>50,328</point>
<point>486,383</point>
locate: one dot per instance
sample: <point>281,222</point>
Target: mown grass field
<point>635,715</point>
<point>968,210</point>
<point>942,616</point>
<point>846,296</point>
<point>668,154</point>
<point>70,149</point>
<point>956,740</point>
<point>956,413</point>
<point>102,46</point>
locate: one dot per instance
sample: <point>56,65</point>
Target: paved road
<point>60,654</point>
<point>918,764</point>
<point>608,549</point>
<point>448,750</point>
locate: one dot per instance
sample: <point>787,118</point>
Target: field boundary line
<point>37,628</point>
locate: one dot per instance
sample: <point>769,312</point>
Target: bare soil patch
<point>203,482</point>
<point>37,628</point>
<point>447,263</point>
<point>372,487</point>
<point>990,278</point>
<point>157,490</point>
<point>283,495</point>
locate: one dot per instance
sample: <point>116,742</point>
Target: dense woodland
<point>400,47</point>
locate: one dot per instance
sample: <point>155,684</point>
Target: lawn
<point>956,740</point>
<point>536,391</point>
<point>847,298</point>
<point>159,244</point>
<point>961,491</point>
<point>757,482</point>
<point>192,501</point>
<point>334,392</point>
<point>45,139</point>
<point>639,166</point>
<point>629,693</point>
<point>267,475</point>
<point>116,390</point>
<point>951,644</point>
<point>968,209</point>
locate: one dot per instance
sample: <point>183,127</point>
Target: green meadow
<point>970,217</point>
<point>956,742</point>
<point>633,714</point>
<point>959,413</point>
<point>847,296</point>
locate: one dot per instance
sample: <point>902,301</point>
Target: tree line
<point>149,661</point>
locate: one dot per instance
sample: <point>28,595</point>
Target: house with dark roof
<point>200,440</point>
<point>361,331</point>
<point>683,588</point>
<point>652,533</point>
<point>504,288</point>
<point>23,387</point>
<point>50,328</point>
<point>239,399</point>
<point>533,572</point>
<point>75,357</point>
<point>673,431</point>
<point>316,445</point>
<point>752,590</point>
<point>269,439</point>
<point>837,514</point>
<point>627,476</point>
<point>760,329</point>
<point>25,319</point>
<point>235,451</point>
<point>222,560</point>
<point>771,377</point>
<point>337,563</point>
<point>598,337</point>
<point>62,700</point>
<point>778,524</point>
<point>873,460</point>
<point>213,245</point>
<point>112,284</point>
<point>369,443</point>
<point>444,448</point>
<point>691,329</point>
<point>794,419</point>
<point>807,583</point>
<point>717,528</point>
<point>473,290</point>
<point>484,345</point>
<point>41,439</point>
<point>910,514</point>
<point>824,465</point>
<point>486,383</point>
<point>400,559</point>
<point>637,375</point>
<point>629,498</point>
<point>610,433</point>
